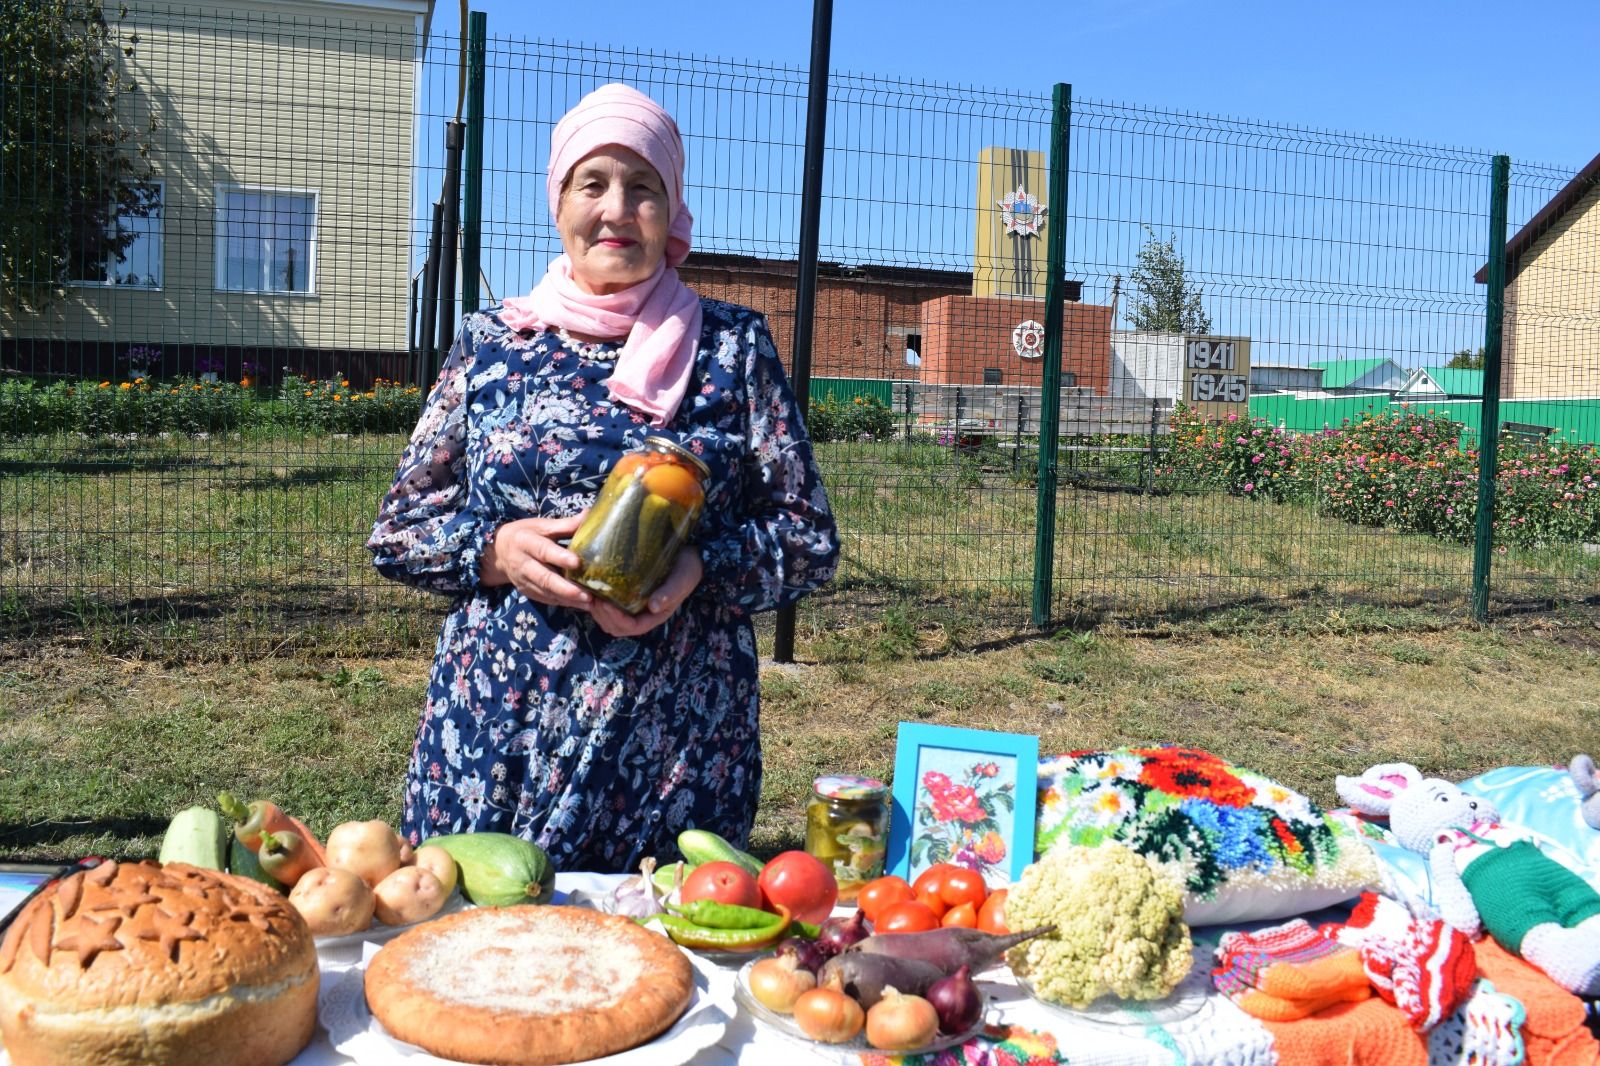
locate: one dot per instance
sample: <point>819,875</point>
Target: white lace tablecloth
<point>1206,1029</point>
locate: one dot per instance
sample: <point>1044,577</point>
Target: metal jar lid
<point>849,787</point>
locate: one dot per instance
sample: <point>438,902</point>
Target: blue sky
<point>1466,74</point>
<point>1314,248</point>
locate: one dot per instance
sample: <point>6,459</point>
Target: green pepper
<point>689,935</point>
<point>713,915</point>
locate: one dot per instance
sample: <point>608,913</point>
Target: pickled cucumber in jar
<point>647,510</point>
<point>847,826</point>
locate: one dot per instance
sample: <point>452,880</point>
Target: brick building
<point>868,315</point>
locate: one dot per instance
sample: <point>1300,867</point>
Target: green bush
<point>860,418</point>
<point>334,406</point>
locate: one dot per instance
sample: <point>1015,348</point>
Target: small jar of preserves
<point>647,510</point>
<point>847,828</point>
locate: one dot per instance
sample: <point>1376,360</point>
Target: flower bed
<point>1402,469</point>
<point>185,405</point>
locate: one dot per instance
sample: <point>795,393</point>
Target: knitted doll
<point>1582,771</point>
<point>1488,875</point>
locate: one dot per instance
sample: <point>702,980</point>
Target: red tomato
<point>878,894</point>
<point>961,916</point>
<point>724,882</point>
<point>801,883</point>
<point>905,917</point>
<point>929,898</point>
<point>992,918</point>
<point>963,886</point>
<point>932,878</point>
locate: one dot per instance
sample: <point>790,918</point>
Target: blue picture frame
<point>964,781</point>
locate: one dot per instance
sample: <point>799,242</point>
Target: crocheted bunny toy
<point>1488,875</point>
<point>1583,775</point>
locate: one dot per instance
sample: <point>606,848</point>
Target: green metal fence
<point>204,391</point>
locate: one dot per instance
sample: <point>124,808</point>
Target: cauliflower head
<point>1118,921</point>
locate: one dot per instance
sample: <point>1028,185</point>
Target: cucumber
<point>701,846</point>
<point>196,836</point>
<point>498,869</point>
<point>244,862</point>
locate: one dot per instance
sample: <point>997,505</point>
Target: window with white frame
<point>266,240</point>
<point>139,263</point>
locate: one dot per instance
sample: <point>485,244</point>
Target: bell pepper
<point>259,816</point>
<point>285,857</point>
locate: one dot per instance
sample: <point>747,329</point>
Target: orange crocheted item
<point>1368,1033</point>
<point>1554,1032</point>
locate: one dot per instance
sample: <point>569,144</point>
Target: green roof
<point>1454,381</point>
<point>1339,373</point>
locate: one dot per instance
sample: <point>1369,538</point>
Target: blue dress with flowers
<point>536,722</point>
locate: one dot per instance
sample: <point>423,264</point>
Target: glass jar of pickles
<point>647,510</point>
<point>847,828</point>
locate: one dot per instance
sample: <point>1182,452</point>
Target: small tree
<point>1466,359</point>
<point>70,170</point>
<point>1163,300</point>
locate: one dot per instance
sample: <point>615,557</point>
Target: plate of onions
<point>781,993</point>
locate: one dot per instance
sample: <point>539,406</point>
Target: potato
<point>333,902</point>
<point>440,864</point>
<point>408,895</point>
<point>370,850</point>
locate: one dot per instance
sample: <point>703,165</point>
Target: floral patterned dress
<point>536,722</point>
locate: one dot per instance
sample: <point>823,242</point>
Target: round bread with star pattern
<point>140,963</point>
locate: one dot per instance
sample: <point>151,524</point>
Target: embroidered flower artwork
<point>1202,817</point>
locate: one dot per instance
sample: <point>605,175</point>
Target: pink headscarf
<point>660,316</point>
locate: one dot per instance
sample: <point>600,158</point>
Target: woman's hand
<point>525,554</point>
<point>685,576</point>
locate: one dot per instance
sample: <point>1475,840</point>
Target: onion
<point>829,1016</point>
<point>777,982</point>
<point>839,933</point>
<point>957,1001</point>
<point>901,1023</point>
<point>806,953</point>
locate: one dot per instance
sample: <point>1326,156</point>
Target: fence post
<point>1016,443</point>
<point>472,188</point>
<point>805,303</point>
<point>908,412</point>
<point>1489,424</point>
<point>1148,474</point>
<point>1044,539</point>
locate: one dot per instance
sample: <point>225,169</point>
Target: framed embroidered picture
<point>963,796</point>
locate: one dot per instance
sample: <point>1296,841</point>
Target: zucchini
<point>196,835</point>
<point>498,869</point>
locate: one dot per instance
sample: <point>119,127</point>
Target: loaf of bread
<point>140,963</point>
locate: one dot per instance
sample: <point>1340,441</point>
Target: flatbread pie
<point>528,986</point>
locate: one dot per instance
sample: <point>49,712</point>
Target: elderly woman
<point>551,713</point>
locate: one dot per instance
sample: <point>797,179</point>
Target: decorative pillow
<point>1245,847</point>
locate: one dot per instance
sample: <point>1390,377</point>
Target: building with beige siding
<point>281,139</point>
<point>1550,346</point>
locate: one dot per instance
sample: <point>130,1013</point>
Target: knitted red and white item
<point>1422,966</point>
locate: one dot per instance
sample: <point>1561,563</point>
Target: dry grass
<point>96,751</point>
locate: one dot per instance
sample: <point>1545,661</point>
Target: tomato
<point>801,883</point>
<point>992,918</point>
<point>961,916</point>
<point>908,916</point>
<point>929,880</point>
<point>672,482</point>
<point>878,894</point>
<point>963,886</point>
<point>929,898</point>
<point>724,882</point>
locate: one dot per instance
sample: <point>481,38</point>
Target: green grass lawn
<point>253,541</point>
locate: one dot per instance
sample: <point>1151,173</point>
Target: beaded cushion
<point>1245,847</point>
